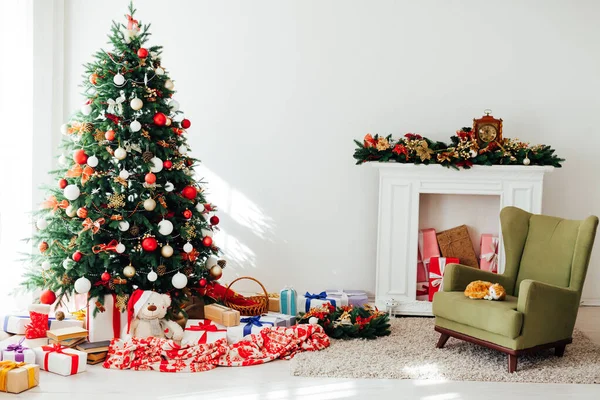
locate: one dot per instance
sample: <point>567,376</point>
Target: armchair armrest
<point>549,311</point>
<point>458,276</point>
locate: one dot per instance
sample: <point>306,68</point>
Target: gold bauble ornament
<point>59,315</point>
<point>166,251</point>
<point>216,272</point>
<point>129,271</point>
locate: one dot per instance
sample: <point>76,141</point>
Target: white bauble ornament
<point>182,149</point>
<point>211,261</point>
<point>62,160</point>
<point>313,320</point>
<point>136,104</point>
<point>165,227</point>
<point>149,204</point>
<point>86,109</point>
<point>124,174</point>
<point>152,276</point>
<point>120,153</point>
<point>179,280</point>
<point>83,285</point>
<point>169,84</point>
<point>169,187</point>
<point>120,248</point>
<point>41,224</point>
<point>200,207</point>
<point>71,192</point>
<point>188,247</point>
<point>159,71</point>
<point>68,263</point>
<point>46,265</point>
<point>135,125</point>
<point>473,153</point>
<point>119,79</point>
<point>206,232</point>
<point>166,251</point>
<point>174,105</point>
<point>526,161</point>
<point>92,161</point>
<point>123,226</point>
<point>157,165</point>
<point>71,211</point>
<point>64,129</point>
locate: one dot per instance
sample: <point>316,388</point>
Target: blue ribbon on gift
<point>253,321</point>
<point>316,296</point>
<point>6,319</point>
<point>18,348</point>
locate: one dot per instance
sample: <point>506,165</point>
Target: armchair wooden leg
<point>560,350</point>
<point>512,363</point>
<point>442,340</point>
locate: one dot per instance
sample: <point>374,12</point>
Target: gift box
<point>29,343</point>
<point>18,352</point>
<point>356,298</point>
<point>16,324</point>
<point>436,273</point>
<point>222,315</point>
<point>274,302</point>
<point>202,331</point>
<point>311,300</point>
<point>488,260</point>
<point>287,301</point>
<point>423,291</point>
<point>457,243</point>
<point>249,325</point>
<point>284,319</point>
<point>60,360</point>
<point>18,377</point>
<point>422,274</point>
<point>105,321</point>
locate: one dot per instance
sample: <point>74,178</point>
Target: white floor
<point>273,381</point>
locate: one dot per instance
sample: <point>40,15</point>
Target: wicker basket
<point>262,302</point>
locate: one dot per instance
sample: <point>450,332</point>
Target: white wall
<point>276,91</point>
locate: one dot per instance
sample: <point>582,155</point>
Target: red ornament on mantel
<point>150,178</point>
<point>185,124</point>
<point>105,276</point>
<point>142,52</point>
<point>47,297</point>
<point>214,220</point>
<point>187,214</point>
<point>160,119</point>
<point>77,256</point>
<point>149,244</point>
<point>80,157</point>
<point>207,241</point>
<point>62,183</point>
<point>189,192</point>
<point>167,164</point>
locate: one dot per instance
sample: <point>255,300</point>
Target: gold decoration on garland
<point>116,200</point>
<point>122,181</point>
<point>189,231</point>
<point>99,135</point>
<point>121,302</point>
<point>423,150</point>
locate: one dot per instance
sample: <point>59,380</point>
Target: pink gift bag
<point>488,260</point>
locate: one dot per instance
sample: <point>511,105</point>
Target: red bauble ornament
<point>43,247</point>
<point>105,276</point>
<point>189,192</point>
<point>189,162</point>
<point>202,282</point>
<point>62,183</point>
<point>187,214</point>
<point>160,119</point>
<point>149,244</point>
<point>207,241</point>
<point>150,178</point>
<point>142,52</point>
<point>214,220</point>
<point>82,212</point>
<point>110,135</point>
<point>47,297</point>
<point>77,256</point>
<point>207,207</point>
<point>167,164</point>
<point>80,157</point>
<point>186,123</point>
<point>93,78</point>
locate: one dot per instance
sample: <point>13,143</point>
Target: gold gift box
<point>18,377</point>
<point>222,315</point>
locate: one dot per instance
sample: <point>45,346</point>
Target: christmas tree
<point>126,212</point>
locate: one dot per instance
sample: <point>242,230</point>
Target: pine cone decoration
<point>134,230</point>
<point>161,270</point>
<point>111,285</point>
<point>222,263</point>
<point>67,280</point>
<point>187,271</point>
<point>147,156</point>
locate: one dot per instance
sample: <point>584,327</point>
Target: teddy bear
<point>146,312</point>
<point>485,290</point>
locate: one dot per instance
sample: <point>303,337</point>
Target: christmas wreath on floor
<point>348,322</point>
<point>464,151</point>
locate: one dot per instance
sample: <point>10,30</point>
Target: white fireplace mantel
<point>400,186</point>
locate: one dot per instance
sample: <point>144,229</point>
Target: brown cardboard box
<point>222,315</point>
<point>274,302</point>
<point>18,380</point>
<point>456,242</point>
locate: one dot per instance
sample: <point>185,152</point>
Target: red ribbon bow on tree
<point>111,246</point>
<point>55,204</point>
<point>88,223</point>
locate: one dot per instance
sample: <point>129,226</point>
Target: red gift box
<point>488,260</point>
<point>421,270</point>
<point>436,273</point>
<point>423,291</point>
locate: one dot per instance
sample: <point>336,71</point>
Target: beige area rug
<point>410,353</point>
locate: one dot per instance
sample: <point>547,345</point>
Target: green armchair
<point>546,263</point>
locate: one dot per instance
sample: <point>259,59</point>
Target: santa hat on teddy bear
<point>134,305</point>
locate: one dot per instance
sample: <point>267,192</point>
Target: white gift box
<point>103,326</point>
<point>26,356</point>
<point>249,325</point>
<point>64,362</point>
<point>283,319</point>
<point>16,324</point>
<point>29,343</point>
<point>313,300</point>
<point>201,331</point>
